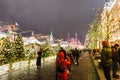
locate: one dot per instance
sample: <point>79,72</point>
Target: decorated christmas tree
<point>19,49</point>
<point>46,49</point>
<point>8,51</point>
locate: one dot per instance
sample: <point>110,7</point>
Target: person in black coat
<point>115,59</point>
<point>39,54</point>
<point>77,55</point>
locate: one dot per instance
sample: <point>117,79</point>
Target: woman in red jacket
<point>65,62</point>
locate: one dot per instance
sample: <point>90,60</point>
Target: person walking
<point>38,55</point>
<point>77,55</point>
<point>115,59</point>
<point>106,59</point>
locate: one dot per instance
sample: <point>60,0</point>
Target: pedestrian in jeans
<point>115,59</point>
<point>106,59</point>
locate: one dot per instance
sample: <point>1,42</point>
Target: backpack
<point>60,68</point>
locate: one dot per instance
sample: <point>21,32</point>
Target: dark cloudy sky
<point>42,16</point>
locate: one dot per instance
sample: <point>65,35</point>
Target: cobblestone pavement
<point>84,71</point>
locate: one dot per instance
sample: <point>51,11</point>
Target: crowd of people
<point>110,59</point>
<point>64,61</point>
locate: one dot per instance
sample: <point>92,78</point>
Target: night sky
<point>58,16</point>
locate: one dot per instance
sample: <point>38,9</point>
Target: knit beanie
<point>105,42</point>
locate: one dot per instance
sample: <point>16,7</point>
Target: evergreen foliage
<point>19,47</point>
<point>8,51</point>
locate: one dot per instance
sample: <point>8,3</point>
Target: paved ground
<point>84,71</point>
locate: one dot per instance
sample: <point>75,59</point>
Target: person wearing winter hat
<point>105,42</point>
<point>106,59</point>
